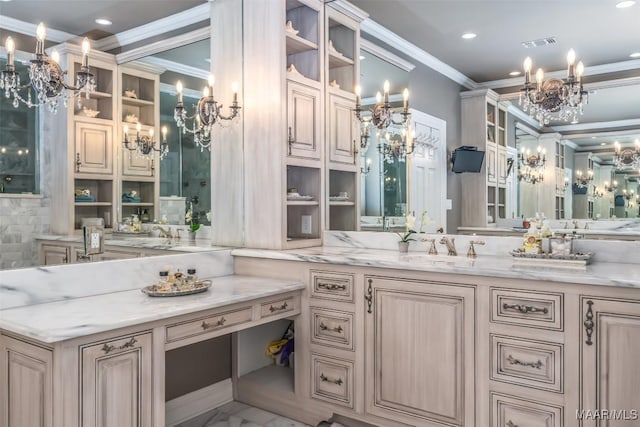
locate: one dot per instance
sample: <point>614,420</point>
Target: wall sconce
<point>597,194</point>
<point>563,187</point>
<point>145,145</point>
<point>367,168</point>
<point>533,161</point>
<point>531,176</point>
<point>610,187</point>
<point>583,180</point>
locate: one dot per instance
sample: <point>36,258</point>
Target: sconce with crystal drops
<point>530,175</point>
<point>144,144</point>
<point>533,161</point>
<point>597,194</point>
<point>365,170</point>
<point>46,77</point>
<point>207,114</point>
<point>626,158</point>
<point>563,187</point>
<point>610,188</point>
<point>583,180</point>
<point>396,147</point>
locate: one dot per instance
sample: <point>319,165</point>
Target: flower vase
<point>192,236</point>
<point>403,247</point>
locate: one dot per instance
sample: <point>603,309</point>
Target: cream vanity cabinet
<point>420,337</point>
<point>94,148</point>
<point>610,353</point>
<point>343,128</point>
<point>303,118</point>
<point>116,377</point>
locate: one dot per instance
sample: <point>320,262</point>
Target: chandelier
<point>381,116</point>
<point>396,147</point>
<point>610,187</point>
<point>583,180</point>
<point>206,115</point>
<point>626,158</point>
<point>530,175</point>
<point>533,161</point>
<point>597,194</point>
<point>554,99</point>
<point>47,79</point>
<point>144,144</point>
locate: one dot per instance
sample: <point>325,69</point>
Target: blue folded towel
<point>131,199</point>
<point>85,198</point>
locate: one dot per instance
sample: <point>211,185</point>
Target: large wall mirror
<point>185,173</point>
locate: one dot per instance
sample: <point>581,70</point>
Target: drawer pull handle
<point>108,348</point>
<point>511,424</point>
<point>332,286</point>
<point>326,379</point>
<point>282,307</point>
<point>588,323</point>
<point>337,329</point>
<point>525,308</point>
<point>217,324</point>
<point>369,297</point>
<point>514,361</point>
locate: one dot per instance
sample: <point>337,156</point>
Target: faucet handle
<point>178,230</point>
<point>432,249</point>
<point>471,253</point>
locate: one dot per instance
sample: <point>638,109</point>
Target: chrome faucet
<point>450,243</point>
<point>164,232</point>
<point>471,253</point>
<point>432,249</point>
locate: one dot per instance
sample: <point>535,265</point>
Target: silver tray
<point>196,288</point>
<point>578,260</point>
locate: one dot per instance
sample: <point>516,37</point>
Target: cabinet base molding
<point>198,402</point>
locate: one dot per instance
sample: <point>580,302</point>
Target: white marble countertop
<point>154,243</point>
<point>63,320</point>
<point>600,273</point>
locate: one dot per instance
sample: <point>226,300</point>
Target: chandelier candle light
<point>583,180</point>
<point>207,114</point>
<point>626,158</point>
<point>47,79</point>
<point>554,99</point>
<point>145,145</point>
<point>534,161</point>
<point>610,187</point>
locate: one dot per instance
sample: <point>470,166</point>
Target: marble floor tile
<point>236,414</point>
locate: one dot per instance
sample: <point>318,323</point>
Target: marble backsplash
<point>40,285</point>
<point>627,252</point>
<point>22,217</point>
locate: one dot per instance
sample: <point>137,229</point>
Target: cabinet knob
<point>279,308</point>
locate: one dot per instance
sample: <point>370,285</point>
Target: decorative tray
<point>177,289</point>
<point>299,198</point>
<point>577,260</point>
<point>338,199</point>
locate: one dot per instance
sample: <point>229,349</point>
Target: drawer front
<point>333,328</point>
<point>507,411</point>
<point>526,308</point>
<point>332,380</point>
<point>276,307</point>
<point>208,324</point>
<point>332,285</point>
<point>529,363</point>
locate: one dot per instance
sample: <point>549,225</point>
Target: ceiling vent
<point>540,42</point>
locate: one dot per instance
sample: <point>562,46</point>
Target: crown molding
<point>171,90</point>
<point>569,143</point>
<point>596,125</point>
<point>143,65</point>
<point>531,131</point>
<point>155,28</point>
<point>176,67</point>
<point>15,25</point>
<point>402,45</point>
<point>601,134</point>
<point>162,45</point>
<point>385,55</point>
<point>349,9</point>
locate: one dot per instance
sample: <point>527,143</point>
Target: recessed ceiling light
<point>362,57</point>
<point>103,21</point>
<point>625,3</point>
<point>635,55</point>
<point>603,143</point>
<point>207,60</point>
<point>593,137</point>
<point>469,36</point>
<point>514,73</point>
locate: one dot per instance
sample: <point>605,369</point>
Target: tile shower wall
<point>21,219</point>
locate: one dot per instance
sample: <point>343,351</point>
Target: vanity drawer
<point>332,285</point>
<point>333,328</point>
<point>507,411</point>
<point>276,307</point>
<point>527,308</point>
<point>528,363</point>
<point>207,324</point>
<point>332,380</point>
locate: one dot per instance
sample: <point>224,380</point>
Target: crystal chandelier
<point>206,115</point>
<point>47,79</point>
<point>626,158</point>
<point>381,116</point>
<point>583,180</point>
<point>145,144</point>
<point>530,175</point>
<point>533,161</point>
<point>554,99</point>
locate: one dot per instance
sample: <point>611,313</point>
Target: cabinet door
<point>343,130</point>
<point>491,159</point>
<point>54,255</point>
<point>610,355</point>
<point>26,381</point>
<point>420,337</point>
<point>116,383</point>
<point>502,166</point>
<point>94,149</point>
<point>133,164</point>
<point>303,121</point>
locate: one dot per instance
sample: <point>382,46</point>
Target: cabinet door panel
<point>94,148</point>
<point>133,164</point>
<point>342,130</point>
<point>303,120</point>
<point>116,383</point>
<point>491,163</point>
<point>54,255</point>
<point>429,328</point>
<point>502,166</point>
<point>610,371</point>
